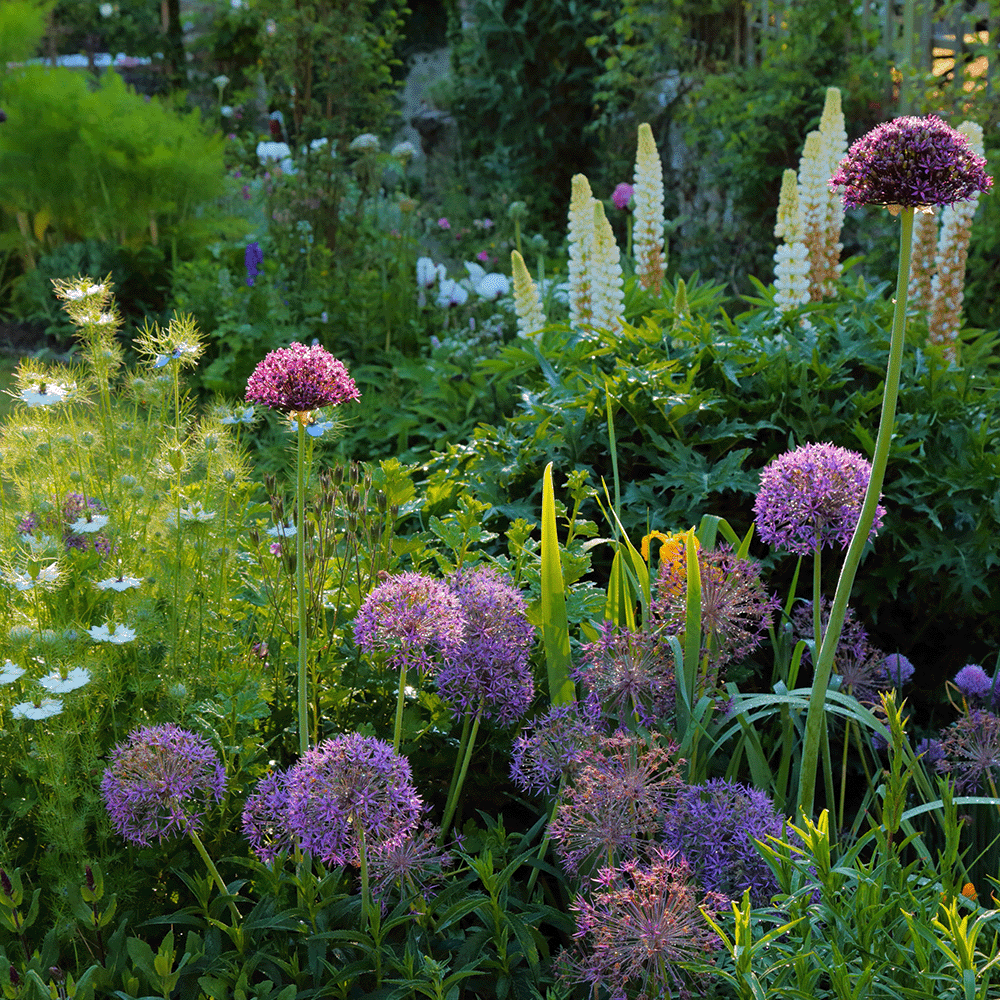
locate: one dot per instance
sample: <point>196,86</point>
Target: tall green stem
<point>400,699</point>
<point>456,790</point>
<point>300,583</point>
<point>216,878</point>
<point>816,716</point>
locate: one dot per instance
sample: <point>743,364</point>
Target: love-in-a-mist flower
<point>43,708</point>
<point>160,781</point>
<point>297,378</point>
<point>810,498</point>
<point>56,683</point>
<point>909,163</point>
<point>10,672</point>
<point>527,303</point>
<point>348,788</point>
<point>581,241</point>
<point>647,235</point>
<point>117,634</point>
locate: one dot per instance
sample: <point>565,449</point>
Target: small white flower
<point>245,416</point>
<point>365,142</point>
<point>55,683</point>
<point>197,513</point>
<point>42,710</point>
<point>492,286</point>
<point>25,581</point>
<point>45,393</point>
<point>106,9</point>
<point>88,525</point>
<point>226,111</point>
<point>40,545</point>
<point>272,151</point>
<point>105,319</point>
<point>118,583</point>
<point>237,4</point>
<point>317,144</point>
<point>426,272</point>
<point>404,150</point>
<point>117,634</point>
<point>282,530</point>
<point>10,673</point>
<point>94,290</point>
<point>451,293</point>
<point>220,81</point>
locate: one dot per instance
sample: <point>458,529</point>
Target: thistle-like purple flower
<point>160,781</point>
<point>853,636</point>
<point>811,497</point>
<point>909,163</point>
<point>410,863</point>
<point>897,669</point>
<point>253,257</point>
<point>973,681</point>
<point>971,748</point>
<point>714,826</point>
<point>265,817</point>
<point>346,789</point>
<point>622,195</point>
<point>490,669</point>
<point>296,379</point>
<point>409,618</point>
<point>554,745</point>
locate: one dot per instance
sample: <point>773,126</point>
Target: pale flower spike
<point>922,256</point>
<point>791,259</point>
<point>527,304</point>
<point>606,271</point>
<point>581,238</point>
<point>647,233</point>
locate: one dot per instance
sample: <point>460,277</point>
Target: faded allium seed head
<point>296,379</point>
<point>160,781</point>
<point>909,163</point>
<point>811,497</point>
<point>971,751</point>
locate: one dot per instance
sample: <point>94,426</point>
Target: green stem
<point>816,716</point>
<point>400,697</point>
<point>216,877</point>
<point>300,585</point>
<point>817,594</point>
<point>449,809</point>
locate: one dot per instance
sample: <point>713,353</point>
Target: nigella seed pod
<point>353,498</point>
<point>337,475</point>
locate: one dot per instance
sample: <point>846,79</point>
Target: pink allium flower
<point>622,195</point>
<point>297,378</point>
<point>483,256</point>
<point>443,223</point>
<point>911,162</point>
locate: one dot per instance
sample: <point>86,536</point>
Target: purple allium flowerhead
<point>636,922</point>
<point>897,669</point>
<point>931,751</point>
<point>296,379</point>
<point>409,618</point>
<point>971,751</point>
<point>909,163</point>
<point>409,864</point>
<point>265,817</point>
<point>736,610</point>
<point>811,497</point>
<point>629,675</point>
<point>490,669</point>
<point>615,801</point>
<point>622,195</point>
<point>554,745</point>
<point>160,781</point>
<point>853,636</point>
<point>350,787</point>
<point>973,681</point>
<point>253,257</point>
<point>714,826</point>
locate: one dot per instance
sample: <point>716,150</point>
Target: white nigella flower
<point>118,583</point>
<point>43,709</point>
<point>427,273</point>
<point>647,228</point>
<point>492,286</point>
<point>118,634</point>
<point>89,524</point>
<point>226,111</point>
<point>527,304</point>
<point>55,683</point>
<point>282,530</point>
<point>105,319</point>
<point>278,152</point>
<point>25,581</point>
<point>581,237</point>
<point>221,81</point>
<point>10,672</point>
<point>195,514</point>
<point>451,293</point>
<point>366,142</point>
<point>241,416</point>
<point>41,393</point>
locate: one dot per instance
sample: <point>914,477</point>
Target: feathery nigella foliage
<point>160,781</point>
<point>296,379</point>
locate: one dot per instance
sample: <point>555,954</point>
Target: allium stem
<point>816,716</point>
<point>300,582</point>
<point>400,697</point>
<point>217,878</point>
<point>456,789</point>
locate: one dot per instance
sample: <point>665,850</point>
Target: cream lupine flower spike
<point>833,140</point>
<point>922,257</point>
<point>527,304</point>
<point>791,259</point>
<point>606,275</point>
<point>581,237</point>
<point>948,283</point>
<point>647,232</point>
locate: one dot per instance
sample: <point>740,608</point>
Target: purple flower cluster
<point>296,379</point>
<point>490,669</point>
<point>911,162</point>
<point>973,682</point>
<point>409,618</point>
<point>971,752</point>
<point>811,497</point>
<point>714,827</point>
<point>253,256</point>
<point>897,669</point>
<point>622,195</point>
<point>411,863</point>
<point>347,789</point>
<point>75,507</point>
<point>159,782</point>
<point>554,745</point>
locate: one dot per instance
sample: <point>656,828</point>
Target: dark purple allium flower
<point>973,681</point>
<point>635,923</point>
<point>622,195</point>
<point>265,817</point>
<point>853,637</point>
<point>861,671</point>
<point>346,789</point>
<point>811,497</point>
<point>159,782</point>
<point>490,670</point>
<point>714,826</point>
<point>971,749</point>
<point>897,669</point>
<point>296,379</point>
<point>553,745</point>
<point>911,162</point>
<point>736,610</point>
<point>615,801</point>
<point>410,863</point>
<point>253,257</point>
<point>931,751</point>
<point>628,674</point>
<point>410,617</point>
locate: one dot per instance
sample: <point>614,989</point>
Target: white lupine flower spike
<point>527,304</point>
<point>647,231</point>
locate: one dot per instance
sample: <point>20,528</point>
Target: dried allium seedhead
<point>971,748</point>
<point>296,379</point>
<point>409,864</point>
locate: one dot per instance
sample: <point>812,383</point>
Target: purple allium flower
<point>971,749</point>
<point>410,617</point>
<point>410,863</point>
<point>897,669</point>
<point>622,195</point>
<point>811,497</point>
<point>628,674</point>
<point>639,920</point>
<point>296,379</point>
<point>253,257</point>
<point>265,817</point>
<point>861,671</point>
<point>911,162</point>
<point>159,782</point>
<point>973,681</point>
<point>931,750</point>
<point>714,826</point>
<point>853,636</point>
<point>443,223</point>
<point>736,610</point>
<point>346,789</point>
<point>553,745</point>
<point>490,670</point>
<point>615,801</point>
